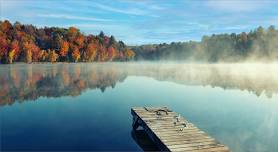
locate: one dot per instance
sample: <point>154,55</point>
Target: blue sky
<point>145,21</point>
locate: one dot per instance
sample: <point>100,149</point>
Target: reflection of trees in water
<point>29,82</point>
<point>256,78</point>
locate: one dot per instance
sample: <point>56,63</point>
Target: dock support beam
<point>136,122</point>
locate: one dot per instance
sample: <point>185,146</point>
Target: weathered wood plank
<point>194,145</point>
<point>212,149</point>
<point>171,132</point>
<point>174,139</point>
<point>179,141</point>
<point>183,138</point>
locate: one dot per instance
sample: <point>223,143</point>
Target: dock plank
<point>172,132</point>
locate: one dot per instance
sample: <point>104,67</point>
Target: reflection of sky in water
<point>98,120</point>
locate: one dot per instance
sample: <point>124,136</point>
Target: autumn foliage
<point>64,48</point>
<point>26,43</point>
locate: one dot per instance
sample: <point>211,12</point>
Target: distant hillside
<point>26,43</point>
<point>258,45</point>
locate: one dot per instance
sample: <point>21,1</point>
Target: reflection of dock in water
<point>171,132</point>
<point>143,140</point>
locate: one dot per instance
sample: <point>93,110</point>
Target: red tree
<point>64,48</point>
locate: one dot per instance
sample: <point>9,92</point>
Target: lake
<point>83,106</point>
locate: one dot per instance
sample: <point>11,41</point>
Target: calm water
<point>87,106</point>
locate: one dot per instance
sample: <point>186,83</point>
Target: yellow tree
<point>43,55</point>
<point>32,51</point>
<point>52,56</point>
<point>11,56</point>
<point>129,54</point>
<point>14,50</point>
<point>75,54</point>
<point>90,52</point>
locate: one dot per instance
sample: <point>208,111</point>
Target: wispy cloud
<point>96,26</point>
<point>236,5</point>
<point>129,10</point>
<point>65,16</point>
<point>146,4</point>
<point>145,21</point>
<point>236,27</point>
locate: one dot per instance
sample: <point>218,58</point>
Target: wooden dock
<point>171,132</point>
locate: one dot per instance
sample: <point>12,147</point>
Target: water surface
<point>87,106</point>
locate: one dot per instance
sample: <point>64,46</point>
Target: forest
<point>257,45</point>
<point>27,43</point>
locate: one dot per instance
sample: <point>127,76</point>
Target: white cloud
<point>145,4</point>
<point>4,4</point>
<point>97,26</point>
<point>113,9</point>
<point>235,27</point>
<point>133,37</point>
<point>64,16</point>
<point>129,11</point>
<point>236,5</point>
<point>9,6</point>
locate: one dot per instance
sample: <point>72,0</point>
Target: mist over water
<point>260,79</point>
<point>258,45</point>
<point>234,103</point>
<point>71,71</point>
<point>28,82</point>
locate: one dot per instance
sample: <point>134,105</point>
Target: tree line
<point>27,43</point>
<point>258,45</point>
